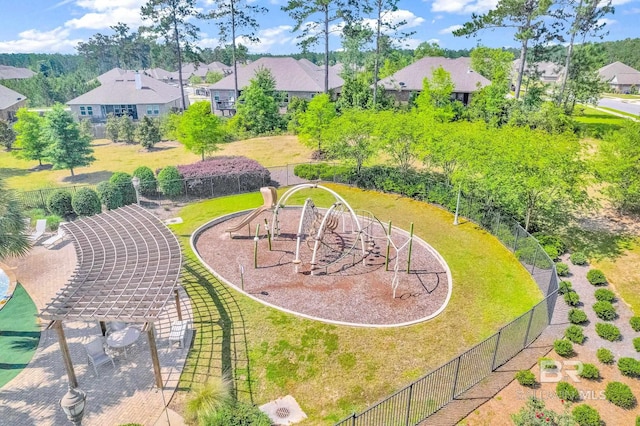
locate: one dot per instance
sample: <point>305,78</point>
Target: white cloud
<point>56,40</point>
<point>620,2</point>
<point>105,13</point>
<point>269,37</point>
<point>632,11</point>
<point>606,21</point>
<point>449,29</point>
<point>410,43</point>
<point>463,6</point>
<point>394,18</point>
<point>433,41</point>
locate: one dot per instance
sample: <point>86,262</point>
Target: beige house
<point>10,102</point>
<point>199,70</point>
<point>409,79</point>
<point>294,78</point>
<point>549,72</point>
<point>126,93</point>
<point>620,77</point>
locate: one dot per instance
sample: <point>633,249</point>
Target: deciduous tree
<point>351,137</point>
<point>315,122</point>
<point>258,111</point>
<point>199,130</point>
<point>29,136</point>
<point>148,132</point>
<point>7,135</point>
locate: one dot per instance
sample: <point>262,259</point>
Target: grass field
<point>598,123</point>
<point>333,370</point>
<point>110,158</point>
<point>623,273</point>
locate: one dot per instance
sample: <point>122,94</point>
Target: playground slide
<point>269,198</point>
<point>248,218</point>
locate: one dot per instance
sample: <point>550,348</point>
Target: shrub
<point>551,244</point>
<point>636,344</point>
<point>85,202</point>
<point>122,182</point>
<point>525,378</point>
<point>608,331</point>
<point>585,415</point>
<point>565,287</point>
<point>605,356</point>
<point>323,171</point>
<point>620,394</point>
<point>605,310</point>
<point>53,222</point>
<point>148,182</point>
<point>562,269</point>
<point>577,316</point>
<point>564,348</point>
<point>109,195</point>
<point>547,363</point>
<point>207,398</point>
<point>575,334</point>
<point>572,298</point>
<point>237,414</point>
<point>578,258</point>
<point>638,421</point>
<point>535,414</point>
<point>596,277</point>
<point>170,181</point>
<point>59,203</point>
<point>567,391</point>
<point>635,323</point>
<point>629,367</point>
<point>604,295</point>
<point>589,371</point>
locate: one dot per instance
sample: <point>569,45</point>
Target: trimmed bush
<point>586,415</point>
<point>547,363</point>
<point>122,182</point>
<point>620,394</point>
<point>605,356</point>
<point>635,323</point>
<point>525,378</point>
<point>636,344</point>
<point>85,202</point>
<point>109,195</point>
<point>604,295</point>
<point>575,334</point>
<point>564,348</point>
<point>629,367</point>
<point>148,182</point>
<point>565,287</point>
<point>567,391</point>
<point>170,181</point>
<point>589,371</point>
<point>638,421</point>
<point>577,316</point>
<point>608,331</point>
<point>323,171</point>
<point>605,310</point>
<point>596,277</point>
<point>53,222</point>
<point>572,298</point>
<point>562,269</point>
<point>59,203</point>
<point>237,414</point>
<point>578,258</point>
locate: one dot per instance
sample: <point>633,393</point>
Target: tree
<point>258,111</point>
<point>233,16</point>
<point>199,130</point>
<point>351,137</point>
<point>126,129</point>
<point>400,135</point>
<point>29,136</point>
<point>170,20</point>
<point>112,127</point>
<point>526,16</point>
<point>213,77</point>
<point>67,149</point>
<point>426,49</point>
<point>7,135</point>
<point>435,97</point>
<point>491,63</point>
<point>315,122</point>
<point>14,240</point>
<point>327,12</point>
<point>583,83</point>
<point>355,36</point>
<point>86,128</point>
<point>148,132</point>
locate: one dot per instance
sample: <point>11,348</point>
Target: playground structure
<point>269,197</point>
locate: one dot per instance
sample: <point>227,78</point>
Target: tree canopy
<point>199,130</point>
<point>29,136</point>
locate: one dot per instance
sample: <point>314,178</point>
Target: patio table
<point>122,338</point>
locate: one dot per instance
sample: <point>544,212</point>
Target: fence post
<point>526,336</point>
<point>409,403</point>
<point>44,203</point>
<point>354,419</point>
<point>535,258</point>
<point>495,351</point>
<point>515,241</point>
<point>455,381</point>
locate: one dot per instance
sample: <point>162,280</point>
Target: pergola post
<point>103,327</point>
<point>154,355</point>
<point>66,356</point>
<point>178,308</point>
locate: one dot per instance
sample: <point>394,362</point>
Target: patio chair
<point>50,242</point>
<point>96,355</point>
<point>41,226</point>
<point>178,333</point>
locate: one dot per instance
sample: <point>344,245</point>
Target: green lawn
<point>334,370</point>
<point>598,123</point>
<point>623,273</point>
<point>617,111</point>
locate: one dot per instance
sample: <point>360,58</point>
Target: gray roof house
<point>409,79</point>
<point>200,70</point>
<point>12,73</point>
<point>126,93</point>
<point>10,102</point>
<point>294,78</point>
<point>549,72</point>
<point>621,78</point>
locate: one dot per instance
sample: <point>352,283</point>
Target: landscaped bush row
<point>575,334</point>
<point>596,277</point>
<point>605,310</point>
<point>577,316</point>
<point>629,367</point>
<point>605,356</point>
<point>608,331</point>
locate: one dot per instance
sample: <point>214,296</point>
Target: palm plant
<point>14,240</point>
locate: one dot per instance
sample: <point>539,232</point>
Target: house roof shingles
<point>119,87</point>
<point>411,76</point>
<point>627,79</point>
<point>9,97</point>
<point>10,73</point>
<point>291,75</point>
<point>608,72</point>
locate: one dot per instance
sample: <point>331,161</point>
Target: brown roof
<point>410,77</point>
<point>609,71</point>
<point>291,75</point>
<point>9,73</point>
<point>119,87</point>
<point>9,97</point>
<point>201,70</point>
<point>158,73</point>
<point>629,78</point>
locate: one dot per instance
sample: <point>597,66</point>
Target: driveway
<point>631,106</point>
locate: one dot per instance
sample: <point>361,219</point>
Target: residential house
<point>620,77</point>
<point>548,72</point>
<point>10,102</point>
<point>12,73</point>
<point>126,93</point>
<point>156,73</point>
<point>409,79</point>
<point>200,70</point>
<point>294,78</point>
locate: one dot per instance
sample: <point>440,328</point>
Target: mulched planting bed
<point>354,290</point>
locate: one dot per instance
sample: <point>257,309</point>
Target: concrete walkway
<point>125,394</point>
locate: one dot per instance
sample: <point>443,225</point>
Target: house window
<point>216,96</point>
<point>86,110</point>
<point>153,110</point>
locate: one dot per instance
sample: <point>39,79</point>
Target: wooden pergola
<point>128,270</point>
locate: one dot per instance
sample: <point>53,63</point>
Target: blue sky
<point>51,26</point>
